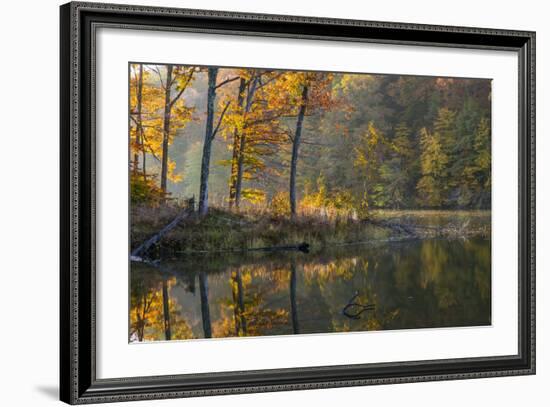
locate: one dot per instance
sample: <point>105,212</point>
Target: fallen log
<point>302,247</point>
<point>142,249</point>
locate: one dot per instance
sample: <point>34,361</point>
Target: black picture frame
<point>78,382</point>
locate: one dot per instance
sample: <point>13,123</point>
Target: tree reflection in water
<point>414,284</point>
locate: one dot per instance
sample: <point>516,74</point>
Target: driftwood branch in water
<point>354,309</point>
<point>138,252</point>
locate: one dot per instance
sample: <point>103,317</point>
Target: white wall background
<point>29,163</point>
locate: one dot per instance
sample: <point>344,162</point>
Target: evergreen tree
<point>433,161</point>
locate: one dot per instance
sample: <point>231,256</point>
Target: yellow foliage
<point>147,128</point>
<point>147,314</point>
<point>280,204</point>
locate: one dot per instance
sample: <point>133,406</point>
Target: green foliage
<point>476,174</point>
<point>393,189</point>
<point>483,148</point>
<point>445,128</point>
<point>369,154</point>
<point>433,163</point>
<point>144,190</point>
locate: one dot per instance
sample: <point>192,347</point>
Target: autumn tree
<point>175,83</point>
<point>157,111</point>
<point>248,84</point>
<point>237,130</point>
<point>138,137</point>
<point>254,124</point>
<point>153,314</point>
<point>142,105</point>
<point>145,133</point>
<point>369,154</point>
<point>303,94</point>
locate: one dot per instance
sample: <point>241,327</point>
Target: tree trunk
<point>140,318</point>
<point>293,303</point>
<point>205,309</point>
<point>166,309</point>
<point>240,167</point>
<point>236,149</point>
<point>208,138</point>
<point>240,299</point>
<point>295,149</point>
<point>236,308</point>
<point>139,126</point>
<point>242,146</point>
<point>166,128</point>
<point>143,167</point>
<point>143,248</point>
<point>238,303</point>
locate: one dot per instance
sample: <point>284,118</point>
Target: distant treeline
<point>294,140</point>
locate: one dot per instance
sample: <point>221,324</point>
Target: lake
<point>409,284</point>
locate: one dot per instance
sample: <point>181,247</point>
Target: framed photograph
<point>255,203</point>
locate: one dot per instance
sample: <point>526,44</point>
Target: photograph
<point>278,202</point>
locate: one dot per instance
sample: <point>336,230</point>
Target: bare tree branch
<point>157,70</point>
<point>262,84</point>
<point>227,81</point>
<point>220,120</point>
<point>189,77</point>
<point>149,147</point>
<point>314,143</point>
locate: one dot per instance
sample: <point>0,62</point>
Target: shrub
<point>280,204</point>
<point>144,190</point>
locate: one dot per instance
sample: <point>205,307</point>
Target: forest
<point>283,149</point>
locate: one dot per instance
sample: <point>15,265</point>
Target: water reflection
<point>414,284</point>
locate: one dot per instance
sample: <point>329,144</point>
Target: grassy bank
<point>223,230</point>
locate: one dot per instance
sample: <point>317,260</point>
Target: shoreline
<point>224,231</point>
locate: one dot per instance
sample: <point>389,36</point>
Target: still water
<point>399,285</point>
